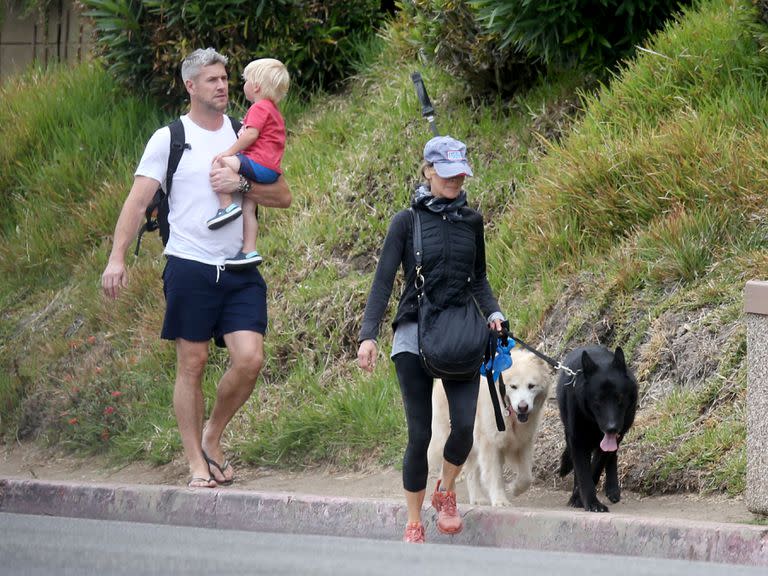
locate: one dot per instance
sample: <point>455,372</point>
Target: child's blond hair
<point>270,75</point>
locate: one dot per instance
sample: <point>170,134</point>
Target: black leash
<point>554,363</point>
<point>490,353</point>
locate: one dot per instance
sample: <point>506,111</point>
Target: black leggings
<point>416,387</point>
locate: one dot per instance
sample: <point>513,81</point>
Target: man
<point>203,299</point>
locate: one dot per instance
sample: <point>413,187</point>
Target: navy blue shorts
<point>203,302</point>
<point>255,171</point>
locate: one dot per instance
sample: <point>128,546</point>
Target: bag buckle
<point>419,281</point>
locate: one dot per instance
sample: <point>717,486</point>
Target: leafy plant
<point>448,32</point>
<point>144,41</point>
<point>123,38</point>
<point>575,31</point>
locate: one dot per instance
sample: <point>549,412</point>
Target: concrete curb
<point>570,531</point>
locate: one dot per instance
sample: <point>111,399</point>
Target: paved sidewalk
<point>228,508</point>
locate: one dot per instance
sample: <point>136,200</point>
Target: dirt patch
<point>31,462</point>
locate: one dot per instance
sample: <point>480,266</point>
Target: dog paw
<point>613,495</point>
<point>596,506</point>
<point>520,487</point>
<point>575,502</point>
<point>500,502</point>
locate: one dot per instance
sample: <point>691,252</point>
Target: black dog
<point>597,407</point>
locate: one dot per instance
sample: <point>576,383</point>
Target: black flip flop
<point>220,468</point>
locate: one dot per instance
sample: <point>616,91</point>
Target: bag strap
<point>417,250</point>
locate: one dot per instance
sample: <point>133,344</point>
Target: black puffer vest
<point>453,265</point>
<point>449,255</point>
<point>448,261</point>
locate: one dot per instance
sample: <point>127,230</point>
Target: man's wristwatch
<point>244,186</point>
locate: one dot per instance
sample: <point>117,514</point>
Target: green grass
<point>66,134</point>
<point>640,206</point>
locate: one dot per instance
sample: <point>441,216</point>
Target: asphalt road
<point>32,545</point>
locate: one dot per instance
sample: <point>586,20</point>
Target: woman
<point>454,267</point>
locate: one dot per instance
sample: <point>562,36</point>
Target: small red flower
<point>91,339</point>
<point>116,394</point>
<point>109,410</point>
<point>72,421</point>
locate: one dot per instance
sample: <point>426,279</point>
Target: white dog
<point>527,384</point>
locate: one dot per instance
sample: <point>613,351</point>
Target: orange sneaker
<point>448,519</point>
<point>414,533</point>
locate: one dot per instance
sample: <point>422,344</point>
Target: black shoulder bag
<point>452,340</point>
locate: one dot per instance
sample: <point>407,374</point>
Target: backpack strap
<point>159,203</point>
<point>236,124</point>
<point>177,147</point>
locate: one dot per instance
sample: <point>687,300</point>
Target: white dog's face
<point>527,385</point>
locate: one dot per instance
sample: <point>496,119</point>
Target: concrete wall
<point>62,35</point>
<point>756,309</point>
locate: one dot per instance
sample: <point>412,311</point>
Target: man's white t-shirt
<point>193,201</point>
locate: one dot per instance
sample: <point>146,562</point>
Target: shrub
<point>144,41</point>
<point>449,32</point>
<point>595,33</point>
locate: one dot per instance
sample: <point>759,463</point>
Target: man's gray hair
<point>197,60</point>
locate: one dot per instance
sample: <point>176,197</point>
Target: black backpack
<point>157,211</point>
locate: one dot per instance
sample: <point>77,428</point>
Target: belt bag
<point>452,340</point>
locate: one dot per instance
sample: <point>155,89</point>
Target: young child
<point>257,152</point>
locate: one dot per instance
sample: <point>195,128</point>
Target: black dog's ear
<point>587,364</point>
<point>618,359</point>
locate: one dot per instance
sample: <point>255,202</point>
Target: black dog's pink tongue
<point>609,444</point>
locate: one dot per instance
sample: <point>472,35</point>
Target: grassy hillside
<point>629,215</point>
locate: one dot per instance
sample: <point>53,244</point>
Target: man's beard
<point>216,105</point>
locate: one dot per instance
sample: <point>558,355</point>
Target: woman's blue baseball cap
<point>448,156</point>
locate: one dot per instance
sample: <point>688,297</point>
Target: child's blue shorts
<point>204,302</point>
<point>255,171</point>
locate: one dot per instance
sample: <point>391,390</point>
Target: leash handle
<point>427,110</point>
<point>490,352</point>
<point>504,335</point>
